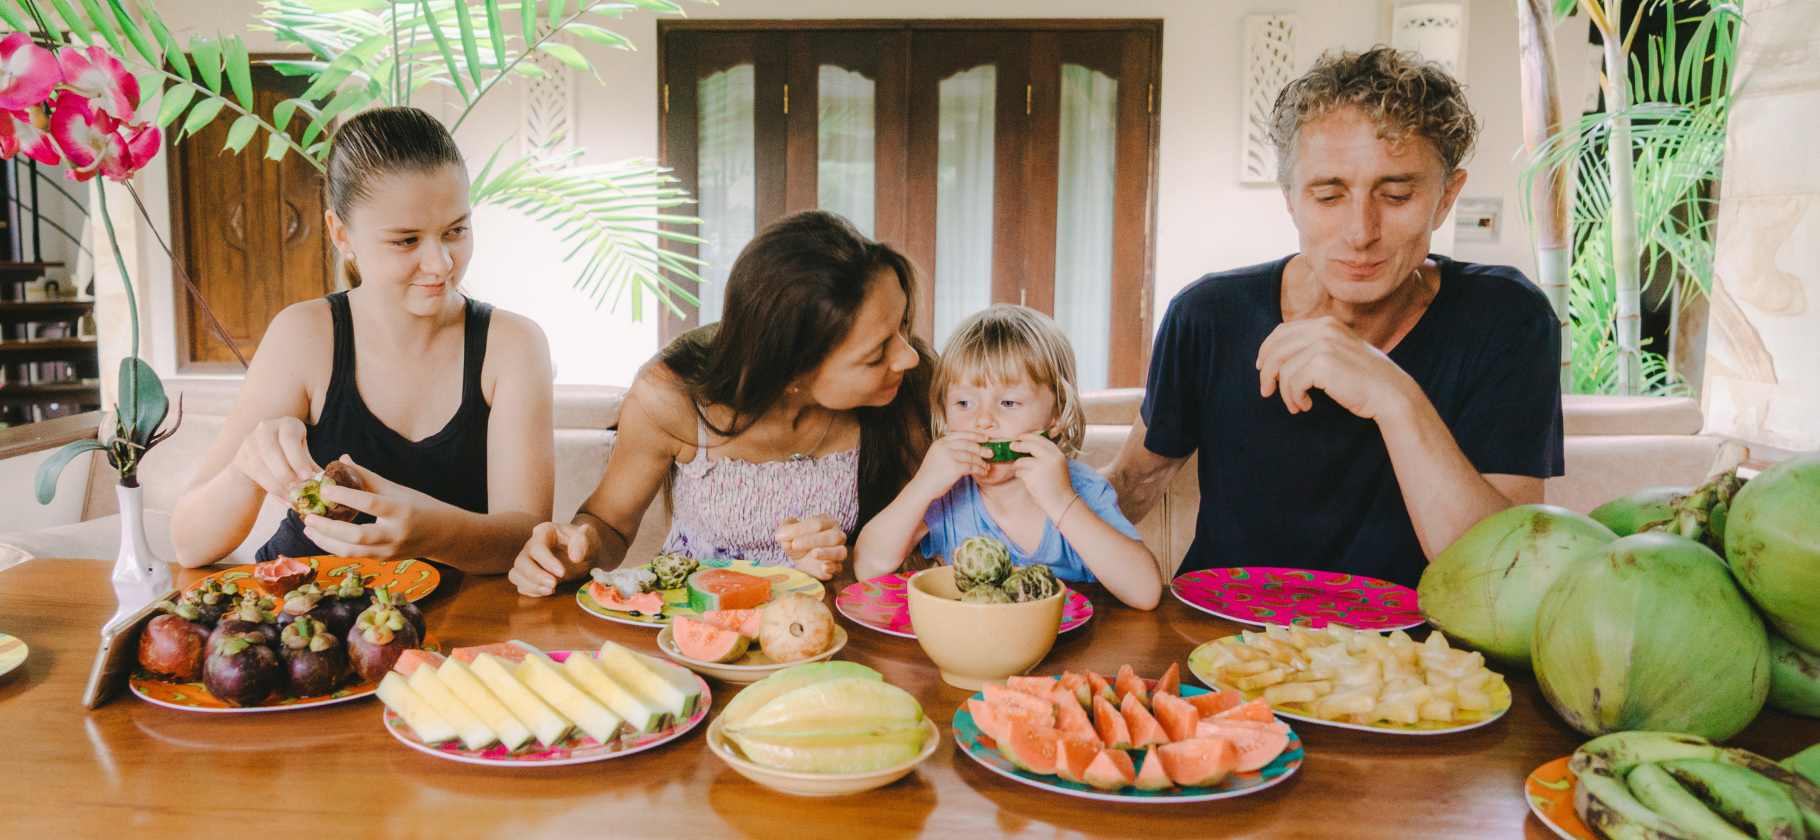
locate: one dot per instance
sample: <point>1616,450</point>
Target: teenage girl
<point>440,403</point>
<point>1007,373</point>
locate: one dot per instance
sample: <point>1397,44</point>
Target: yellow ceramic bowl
<point>818,784</point>
<point>750,668</point>
<point>974,644</point>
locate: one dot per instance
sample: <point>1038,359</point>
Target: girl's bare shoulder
<point>661,399</point>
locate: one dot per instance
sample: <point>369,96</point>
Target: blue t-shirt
<point>961,513</point>
<point>1316,490</point>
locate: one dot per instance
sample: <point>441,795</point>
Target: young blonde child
<point>1008,374</point>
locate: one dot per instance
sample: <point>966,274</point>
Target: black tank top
<point>450,466</point>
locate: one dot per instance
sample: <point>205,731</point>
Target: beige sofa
<point>1614,445</point>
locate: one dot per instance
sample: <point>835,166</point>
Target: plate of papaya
<point>410,577</point>
<point>653,595</point>
<point>1160,743</point>
<point>1550,790</point>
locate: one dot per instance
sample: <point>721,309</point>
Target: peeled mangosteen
<point>380,636</point>
<point>315,662</point>
<point>283,574</point>
<point>174,645</point>
<point>412,614</point>
<point>341,604</point>
<point>252,613</point>
<point>242,671</point>
<point>306,498</point>
<point>299,601</point>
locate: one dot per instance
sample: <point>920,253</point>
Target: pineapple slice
<point>1336,706</point>
<point>1473,700</point>
<point>1291,693</point>
<point>1257,681</point>
<point>1437,710</point>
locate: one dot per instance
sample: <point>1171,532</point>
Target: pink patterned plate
<point>1280,596</point>
<point>879,604</point>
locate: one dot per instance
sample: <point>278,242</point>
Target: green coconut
<point>1628,513</point>
<point>1794,678</point>
<point>1482,591</point>
<point>1651,633</point>
<point>1772,539</point>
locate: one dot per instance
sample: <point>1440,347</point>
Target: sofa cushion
<point>1602,414</point>
<point>1603,467</point>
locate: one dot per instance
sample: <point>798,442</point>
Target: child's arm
<point>1121,563</point>
<point>890,536</point>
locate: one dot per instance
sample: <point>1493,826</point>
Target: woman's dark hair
<point>384,141</point>
<point>791,297</point>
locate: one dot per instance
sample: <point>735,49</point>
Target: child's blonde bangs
<point>1005,344</point>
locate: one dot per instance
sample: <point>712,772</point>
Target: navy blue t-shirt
<point>1316,490</point>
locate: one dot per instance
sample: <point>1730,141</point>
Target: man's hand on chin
<point>1324,353</point>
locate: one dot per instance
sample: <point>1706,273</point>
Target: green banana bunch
<point>1670,786</point>
<point>1702,514</point>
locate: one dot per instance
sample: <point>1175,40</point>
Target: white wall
<point>1206,220</point>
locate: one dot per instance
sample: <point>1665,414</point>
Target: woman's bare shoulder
<point>661,398</point>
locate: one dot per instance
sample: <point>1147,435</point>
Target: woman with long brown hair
<point>781,430</point>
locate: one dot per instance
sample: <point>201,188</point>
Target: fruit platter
<point>219,648</point>
<point>1159,742</point>
<point>882,604</point>
<point>1357,679</point>
<point>413,579</point>
<point>742,646</point>
<point>512,705</point>
<point>670,585</point>
<point>1662,784</point>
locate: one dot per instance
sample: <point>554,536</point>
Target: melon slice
<point>629,669</point>
<point>409,661</point>
<point>1171,681</point>
<point>705,642</point>
<point>475,734</point>
<point>1073,755</point>
<point>398,696</point>
<point>1039,687</point>
<point>513,651</point>
<point>995,721</point>
<point>1063,697</point>
<point>1256,710</point>
<point>1128,682</point>
<point>1077,683</point>
<point>1114,734</point>
<point>639,713</point>
<point>1199,762</point>
<point>644,603</point>
<point>722,589</point>
<point>1214,702</point>
<point>1073,720</point>
<point>1151,776</point>
<point>474,694</point>
<point>549,726</point>
<point>1098,686</point>
<point>1145,731</point>
<point>744,622</point>
<point>1110,770</point>
<point>999,695</point>
<point>760,694</point>
<point>1178,717</point>
<point>682,678</point>
<point>1031,748</point>
<point>1257,744</point>
<point>541,674</point>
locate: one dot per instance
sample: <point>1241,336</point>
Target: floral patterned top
<point>732,508</point>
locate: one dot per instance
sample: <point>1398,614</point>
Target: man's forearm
<point>1443,491</point>
<point>1140,477</point>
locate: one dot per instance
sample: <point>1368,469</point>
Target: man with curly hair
<point>1359,404</point>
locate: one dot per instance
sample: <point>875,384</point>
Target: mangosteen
<point>306,497</point>
<point>174,644</point>
<point>242,671</point>
<point>252,613</point>
<point>299,601</point>
<point>212,599</point>
<point>380,636</point>
<point>341,604</point>
<point>384,595</point>
<point>315,662</point>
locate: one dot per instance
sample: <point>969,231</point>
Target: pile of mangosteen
<point>246,647</point>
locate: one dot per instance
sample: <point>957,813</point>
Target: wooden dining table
<point>133,769</point>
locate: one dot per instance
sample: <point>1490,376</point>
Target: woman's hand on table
<point>276,456</point>
<point>816,546</point>
<point>555,553</point>
<point>405,520</point>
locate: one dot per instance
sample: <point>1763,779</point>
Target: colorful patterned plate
<point>579,749</point>
<point>414,578</point>
<point>676,601</point>
<point>981,748</point>
<point>879,604</point>
<point>1201,663</point>
<point>1280,596</point>
<point>12,653</point>
<point>1551,798</point>
<point>192,697</point>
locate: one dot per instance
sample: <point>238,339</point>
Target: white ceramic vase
<point>139,578</point>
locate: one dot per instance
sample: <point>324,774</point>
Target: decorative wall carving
<point>1270,63</point>
<point>549,108</point>
<point>1436,30</point>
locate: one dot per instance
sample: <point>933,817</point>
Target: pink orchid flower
<point>90,139</point>
<point>100,77</point>
<point>20,133</point>
<point>28,72</point>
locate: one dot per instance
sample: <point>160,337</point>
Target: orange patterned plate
<point>414,578</point>
<point>1550,791</point>
<point>192,697</point>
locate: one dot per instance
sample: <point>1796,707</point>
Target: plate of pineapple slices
<point>1357,679</point>
<point>512,705</point>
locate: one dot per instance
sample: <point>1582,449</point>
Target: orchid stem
<point>132,303</point>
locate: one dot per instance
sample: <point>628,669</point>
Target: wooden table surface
<point>133,769</point>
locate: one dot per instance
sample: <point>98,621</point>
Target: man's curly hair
<point>1401,92</point>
